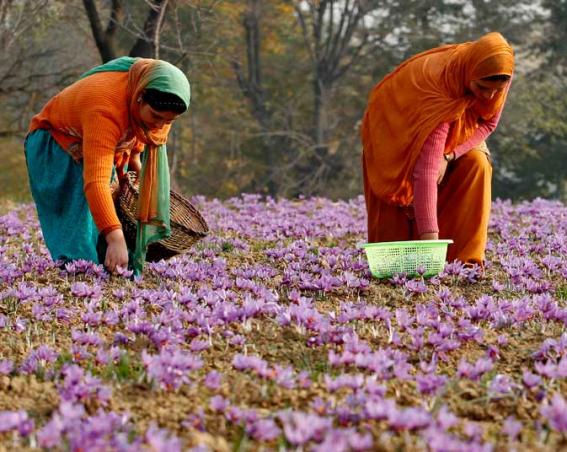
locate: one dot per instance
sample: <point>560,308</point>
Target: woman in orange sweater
<point>425,164</point>
<point>99,125</point>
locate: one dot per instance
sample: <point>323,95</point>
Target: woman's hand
<point>442,170</point>
<point>443,167</point>
<point>429,236</point>
<point>135,163</point>
<point>117,251</point>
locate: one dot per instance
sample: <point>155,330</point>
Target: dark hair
<point>161,101</point>
<point>497,78</point>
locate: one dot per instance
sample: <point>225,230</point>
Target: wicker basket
<point>187,224</point>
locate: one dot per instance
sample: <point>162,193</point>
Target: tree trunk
<point>105,39</point>
<point>252,88</point>
<point>147,45</point>
<point>319,120</point>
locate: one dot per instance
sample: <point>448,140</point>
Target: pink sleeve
<point>425,176</point>
<point>483,131</point>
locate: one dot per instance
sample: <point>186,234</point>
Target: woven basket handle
<point>119,184</point>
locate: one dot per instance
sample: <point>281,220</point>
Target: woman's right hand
<point>117,251</point>
<point>429,236</point>
<point>135,163</point>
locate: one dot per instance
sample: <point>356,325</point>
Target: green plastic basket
<point>385,259</point>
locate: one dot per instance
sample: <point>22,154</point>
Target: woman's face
<point>154,119</point>
<point>485,90</point>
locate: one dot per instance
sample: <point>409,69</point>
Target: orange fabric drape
<point>139,76</point>
<point>423,92</point>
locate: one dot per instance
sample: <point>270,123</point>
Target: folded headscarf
<point>426,90</point>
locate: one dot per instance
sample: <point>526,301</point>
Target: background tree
<point>279,87</point>
<point>146,45</point>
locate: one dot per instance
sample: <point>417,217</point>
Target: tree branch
<point>104,39</point>
<point>145,46</point>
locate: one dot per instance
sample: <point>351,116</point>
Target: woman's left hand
<point>135,163</point>
<point>443,168</point>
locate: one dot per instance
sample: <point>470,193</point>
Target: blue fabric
<point>56,183</point>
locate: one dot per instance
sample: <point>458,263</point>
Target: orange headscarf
<point>140,75</point>
<point>426,90</point>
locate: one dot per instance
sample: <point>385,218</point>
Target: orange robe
<point>404,108</point>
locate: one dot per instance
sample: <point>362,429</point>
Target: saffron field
<point>270,334</point>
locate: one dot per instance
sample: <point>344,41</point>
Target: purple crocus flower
<point>51,433</point>
<point>213,380</point>
<point>20,325</point>
<point>531,380</point>
<point>15,420</point>
<point>264,430</point>
<point>556,413</point>
<point>502,340</point>
<point>446,419</point>
<point>199,345</point>
<point>512,427</point>
<point>379,408</point>
<point>304,379</point>
<point>501,384</point>
<point>403,318</point>
<point>237,340</point>
<point>196,420</point>
<point>320,406</point>
<point>360,441</point>
<point>41,356</point>
<point>476,370</point>
<point>255,363</point>
<point>300,428</point>
<point>6,366</point>
<point>429,383</point>
<point>409,419</point>
<point>159,440</point>
<point>219,403</point>
<point>171,367</point>
<point>473,430</point>
<point>79,386</point>
<point>415,287</point>
<point>284,376</point>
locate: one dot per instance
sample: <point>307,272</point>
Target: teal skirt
<point>56,183</point>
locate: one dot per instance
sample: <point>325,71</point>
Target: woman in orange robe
<point>448,98</point>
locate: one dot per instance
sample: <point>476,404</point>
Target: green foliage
<point>227,247</point>
<point>554,43</point>
<point>64,358</point>
<point>13,174</point>
<point>531,149</point>
<point>124,370</point>
<point>561,292</point>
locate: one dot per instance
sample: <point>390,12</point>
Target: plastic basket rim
<point>406,243</point>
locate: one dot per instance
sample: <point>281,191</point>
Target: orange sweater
<point>93,112</point>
